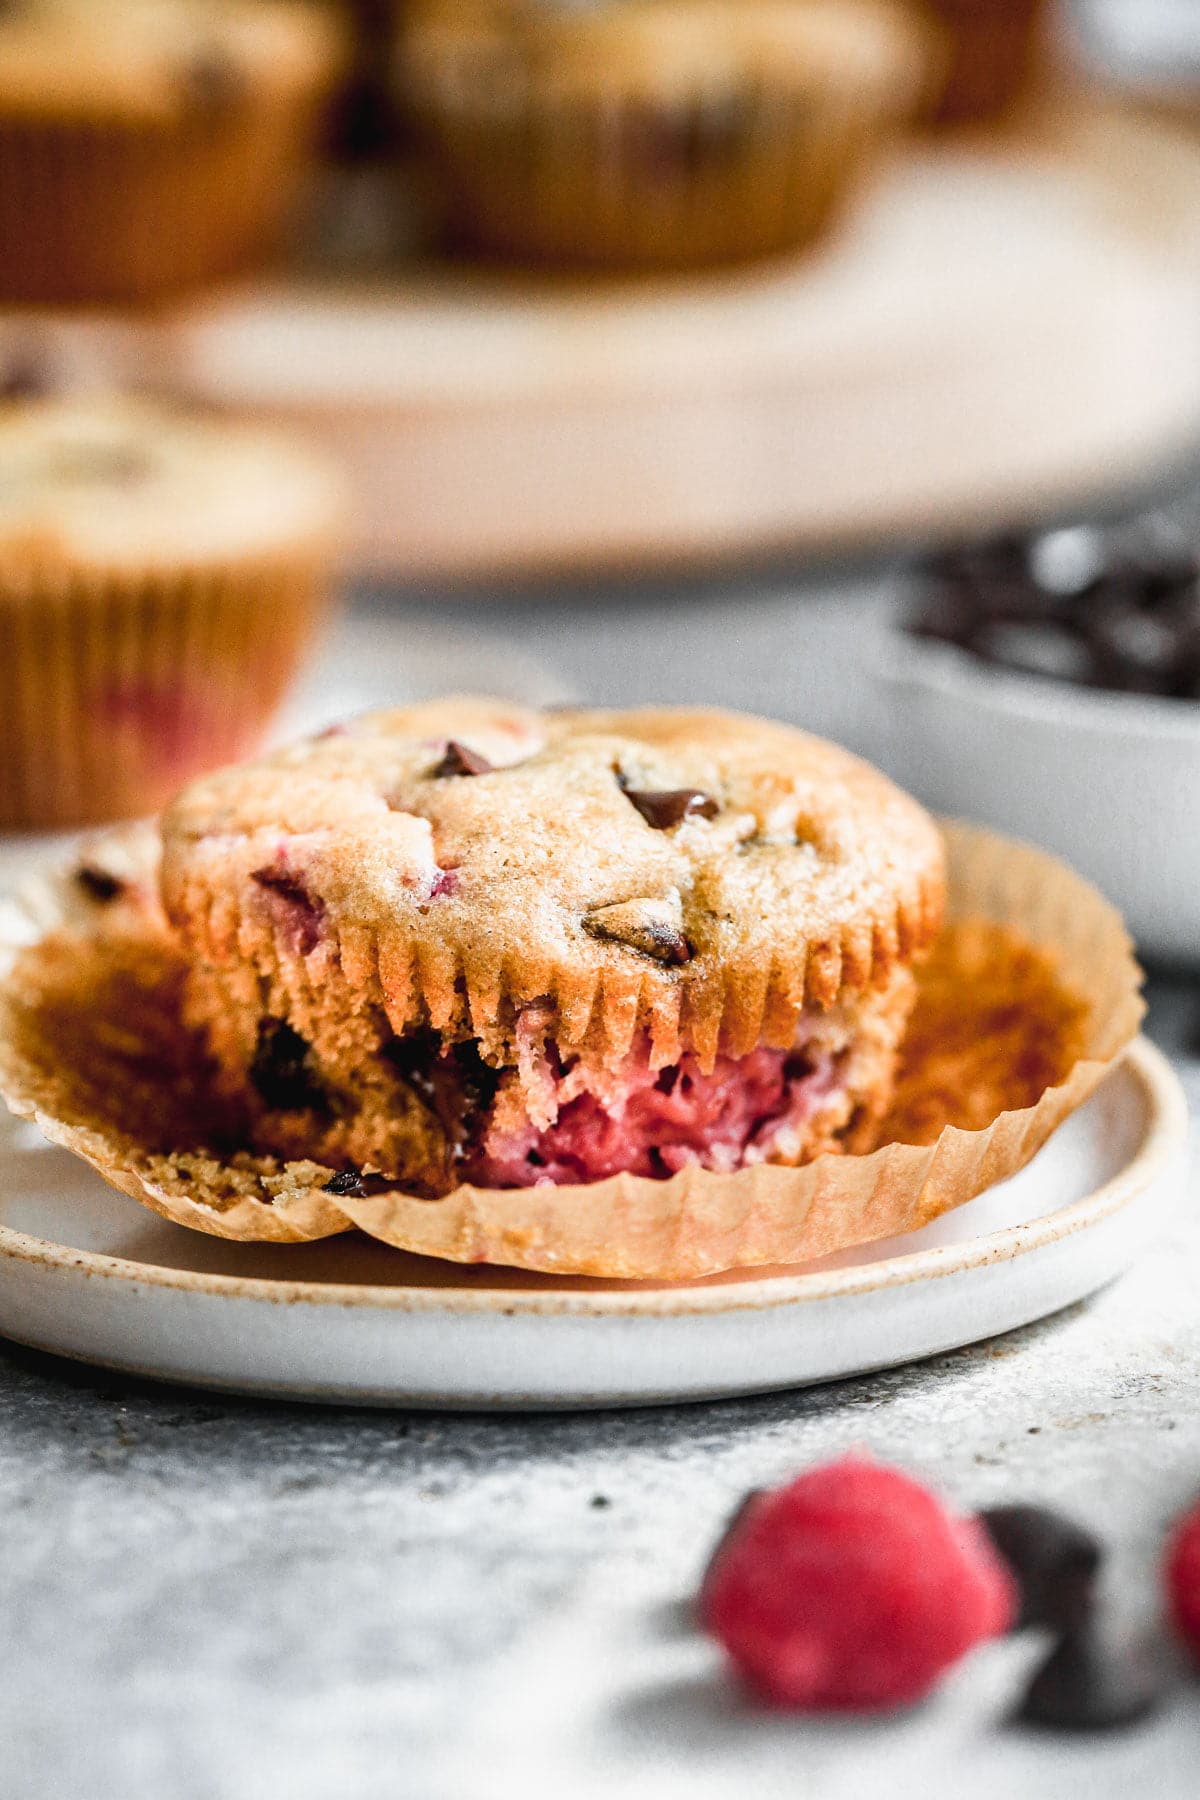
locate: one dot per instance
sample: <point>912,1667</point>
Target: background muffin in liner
<point>147,146</point>
<point>671,133</point>
<point>161,577</point>
<point>89,1049</point>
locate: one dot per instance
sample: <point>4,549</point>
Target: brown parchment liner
<point>629,1227</point>
<point>118,685</point>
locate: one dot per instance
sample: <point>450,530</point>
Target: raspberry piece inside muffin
<point>649,1123</point>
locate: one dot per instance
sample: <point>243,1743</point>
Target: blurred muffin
<point>149,145</point>
<point>992,47</point>
<point>655,133</point>
<point>160,579</point>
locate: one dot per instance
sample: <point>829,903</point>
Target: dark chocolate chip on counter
<point>664,807</point>
<point>98,884</point>
<point>281,1071</point>
<point>1054,1560</point>
<point>1088,1685</point>
<point>460,759</point>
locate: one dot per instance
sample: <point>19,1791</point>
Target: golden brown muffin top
<point>705,872</point>
<point>158,60</point>
<point>664,48</point>
<point>113,484</point>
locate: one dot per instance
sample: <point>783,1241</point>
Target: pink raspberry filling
<point>656,1122</point>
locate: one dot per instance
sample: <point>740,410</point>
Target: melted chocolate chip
<point>479,1080</point>
<point>452,1080</point>
<point>282,1070</point>
<point>1110,607</point>
<point>1086,1685</point>
<point>640,927</point>
<point>352,1184</point>
<point>98,884</point>
<point>1054,1560</point>
<point>413,1055</point>
<point>460,759</point>
<point>346,1181</point>
<point>665,807</point>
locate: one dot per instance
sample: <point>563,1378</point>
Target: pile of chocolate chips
<point>1114,607</point>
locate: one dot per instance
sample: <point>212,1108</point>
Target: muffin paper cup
<point>638,180</point>
<point>125,210</point>
<point>116,687</point>
<point>89,1048</point>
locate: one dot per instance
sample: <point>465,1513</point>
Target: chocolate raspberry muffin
<point>150,145</point>
<point>161,577</point>
<point>655,133</point>
<point>465,942</point>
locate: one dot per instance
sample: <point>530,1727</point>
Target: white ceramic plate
<point>88,1274</point>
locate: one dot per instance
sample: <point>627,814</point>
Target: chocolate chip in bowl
<point>1046,685</point>
<point>1115,608</point>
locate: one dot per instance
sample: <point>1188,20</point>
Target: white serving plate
<point>86,1273</point>
<point>1109,782</point>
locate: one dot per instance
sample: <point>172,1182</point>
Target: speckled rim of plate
<point>1164,1139</point>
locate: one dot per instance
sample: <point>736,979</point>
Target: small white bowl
<point>1109,782</point>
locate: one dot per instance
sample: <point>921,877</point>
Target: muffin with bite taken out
<point>469,943</point>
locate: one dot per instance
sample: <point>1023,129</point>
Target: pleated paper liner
<point>117,687</point>
<point>117,204</point>
<point>92,1049</point>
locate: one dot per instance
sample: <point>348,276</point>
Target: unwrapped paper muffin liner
<point>91,1048</point>
<point>117,686</point>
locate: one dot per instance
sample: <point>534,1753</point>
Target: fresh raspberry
<point>1183,1578</point>
<point>853,1589</point>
